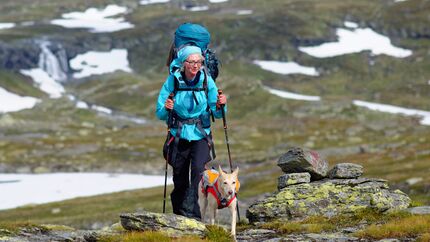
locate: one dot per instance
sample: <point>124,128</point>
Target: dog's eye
<point>225,182</point>
<point>234,182</point>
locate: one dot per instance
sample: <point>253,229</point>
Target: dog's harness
<point>210,186</point>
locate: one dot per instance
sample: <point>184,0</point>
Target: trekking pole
<point>224,121</point>
<point>167,156</point>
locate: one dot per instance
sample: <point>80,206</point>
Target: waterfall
<point>54,65</point>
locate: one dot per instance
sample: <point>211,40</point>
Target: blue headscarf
<point>183,55</point>
<point>187,51</point>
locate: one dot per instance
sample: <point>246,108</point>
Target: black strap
<point>198,123</point>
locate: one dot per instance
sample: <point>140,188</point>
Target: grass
<point>15,227</point>
<point>380,226</point>
<point>213,233</point>
<point>408,227</point>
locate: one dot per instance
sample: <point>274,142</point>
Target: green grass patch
<point>219,234</point>
<point>147,236</point>
<point>319,224</point>
<point>11,228</point>
<point>407,227</point>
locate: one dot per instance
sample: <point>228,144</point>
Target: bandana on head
<point>187,51</point>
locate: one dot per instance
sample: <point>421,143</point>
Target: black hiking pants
<point>194,154</point>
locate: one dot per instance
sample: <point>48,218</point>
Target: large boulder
<point>298,160</point>
<point>327,198</point>
<point>171,224</point>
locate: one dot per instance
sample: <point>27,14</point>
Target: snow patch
<point>45,82</point>
<point>395,110</point>
<point>11,102</point>
<point>147,2</point>
<point>286,68</point>
<point>96,63</point>
<point>290,95</point>
<point>96,20</point>
<point>20,188</point>
<point>357,40</point>
<point>7,25</point>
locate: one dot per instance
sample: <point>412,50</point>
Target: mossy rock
<point>328,198</point>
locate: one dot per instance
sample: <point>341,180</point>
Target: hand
<point>222,99</point>
<point>169,104</point>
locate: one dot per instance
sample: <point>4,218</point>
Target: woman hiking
<point>193,99</point>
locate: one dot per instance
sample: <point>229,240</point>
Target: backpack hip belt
<point>178,123</point>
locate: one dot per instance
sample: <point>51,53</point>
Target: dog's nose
<point>230,192</point>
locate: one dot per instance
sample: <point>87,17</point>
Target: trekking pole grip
<point>222,110</point>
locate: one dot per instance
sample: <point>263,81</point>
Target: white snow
<point>218,1</point>
<point>290,95</point>
<point>96,63</point>
<point>10,102</point>
<point>357,40</point>
<point>7,25</point>
<point>25,189</point>
<point>395,110</point>
<point>101,109</point>
<point>286,68</point>
<point>96,20</point>
<point>147,2</point>
<point>195,8</point>
<point>244,12</point>
<point>349,24</point>
<point>45,82</point>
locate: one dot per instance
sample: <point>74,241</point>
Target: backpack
<point>197,35</point>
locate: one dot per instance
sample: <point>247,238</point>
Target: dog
<point>218,190</point>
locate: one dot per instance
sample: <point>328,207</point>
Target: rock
<point>171,224</point>
<point>293,178</point>
<point>327,198</point>
<point>346,170</point>
<point>413,180</point>
<point>419,210</point>
<point>41,170</point>
<point>298,160</point>
<point>256,235</point>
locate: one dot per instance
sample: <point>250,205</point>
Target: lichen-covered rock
<point>327,198</point>
<point>171,224</point>
<point>297,160</point>
<point>293,178</point>
<point>346,170</point>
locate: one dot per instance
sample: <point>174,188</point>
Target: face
<point>192,64</point>
<point>227,182</point>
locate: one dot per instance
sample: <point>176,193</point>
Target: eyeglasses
<point>199,63</point>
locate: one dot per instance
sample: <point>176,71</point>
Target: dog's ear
<point>236,171</point>
<point>220,170</point>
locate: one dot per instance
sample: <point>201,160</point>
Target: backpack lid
<point>189,33</point>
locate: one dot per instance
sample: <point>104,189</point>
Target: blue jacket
<point>186,107</point>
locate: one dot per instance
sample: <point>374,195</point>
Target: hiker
<point>189,142</point>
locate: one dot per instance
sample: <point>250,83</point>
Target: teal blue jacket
<point>186,107</point>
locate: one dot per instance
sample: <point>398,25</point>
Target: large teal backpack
<point>197,35</point>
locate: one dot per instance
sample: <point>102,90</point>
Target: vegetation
<point>56,136</point>
<point>380,226</point>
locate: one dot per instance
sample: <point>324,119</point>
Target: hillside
<point>58,136</point>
